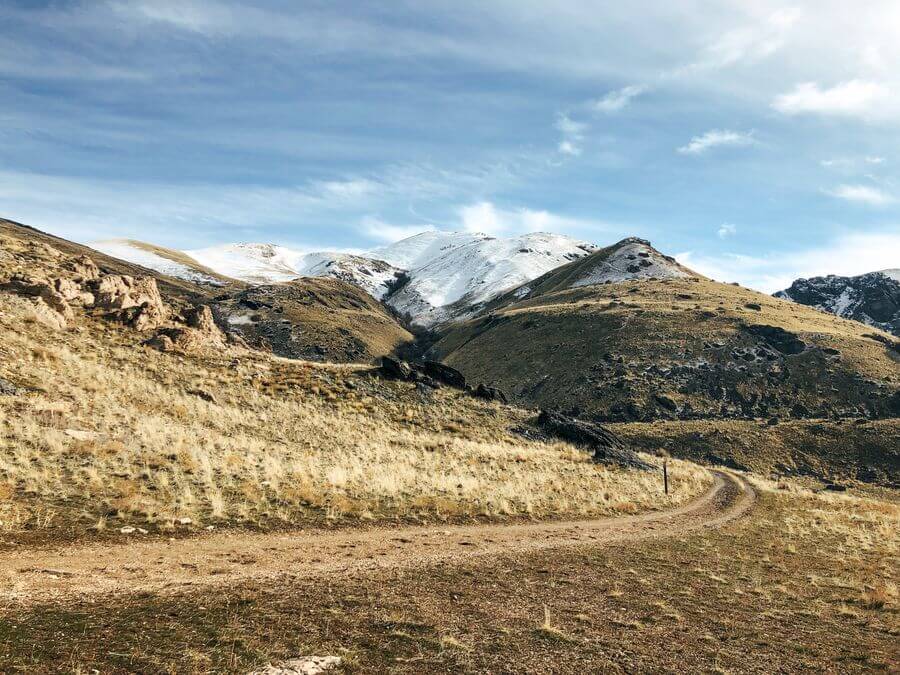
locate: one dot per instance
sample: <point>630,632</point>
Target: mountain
<point>627,334</point>
<point>451,274</point>
<point>427,278</point>
<point>872,299</point>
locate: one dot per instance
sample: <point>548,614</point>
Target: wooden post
<point>666,476</point>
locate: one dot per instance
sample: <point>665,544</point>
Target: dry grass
<point>112,433</point>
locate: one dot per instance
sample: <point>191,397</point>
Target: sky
<point>756,140</point>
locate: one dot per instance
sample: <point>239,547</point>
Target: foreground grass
<point>111,434</point>
<point>806,583</point>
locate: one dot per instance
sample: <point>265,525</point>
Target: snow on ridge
<point>632,259</point>
<point>129,252</point>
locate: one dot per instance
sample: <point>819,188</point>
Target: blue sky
<point>757,140</point>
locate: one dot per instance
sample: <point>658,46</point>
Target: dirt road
<point>228,558</point>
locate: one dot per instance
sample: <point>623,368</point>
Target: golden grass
<point>111,432</point>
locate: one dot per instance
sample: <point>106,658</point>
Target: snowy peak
<point>253,263</point>
<point>629,259</point>
<point>459,272</point>
<point>872,298</point>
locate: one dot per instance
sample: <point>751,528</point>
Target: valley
<point>221,457</point>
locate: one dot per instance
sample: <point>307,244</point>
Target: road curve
<point>229,558</point>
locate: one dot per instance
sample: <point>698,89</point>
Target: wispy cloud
<point>614,101</point>
<point>375,228</point>
<point>863,194</point>
<point>727,230</point>
<point>855,98</point>
<point>846,255</point>
<point>716,138</point>
<point>572,134</point>
<point>486,217</point>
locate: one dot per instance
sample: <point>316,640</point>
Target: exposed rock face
<point>872,298</point>
<point>201,332</point>
<point>137,301</point>
<point>608,448</point>
<point>780,339</point>
<point>84,269</point>
<point>115,291</point>
<point>50,306</point>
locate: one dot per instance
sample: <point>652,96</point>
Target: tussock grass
<point>113,432</point>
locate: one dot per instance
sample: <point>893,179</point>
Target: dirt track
<point>227,559</point>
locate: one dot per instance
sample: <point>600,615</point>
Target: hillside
<point>679,348</point>
<point>872,299</point>
<point>313,318</point>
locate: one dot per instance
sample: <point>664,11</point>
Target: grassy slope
<point>108,432</point>
<point>316,318</point>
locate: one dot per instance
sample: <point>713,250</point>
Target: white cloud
<point>875,160</point>
<point>486,217</point>
<point>378,229</point>
<point>856,98</point>
<point>572,134</point>
<point>616,100</point>
<point>727,230</point>
<point>863,194</point>
<point>749,43</point>
<point>846,255</point>
<point>716,138</point>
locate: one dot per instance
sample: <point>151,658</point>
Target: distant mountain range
<point>427,278</point>
<point>872,299</point>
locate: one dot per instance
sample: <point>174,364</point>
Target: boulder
<point>607,447</point>
<point>395,369</point>
<point>115,291</point>
<point>778,338</point>
<point>48,316</point>
<point>489,393</point>
<point>7,388</point>
<point>201,332</point>
<point>84,269</point>
<point>444,374</point>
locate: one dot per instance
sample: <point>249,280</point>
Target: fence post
<point>666,476</point>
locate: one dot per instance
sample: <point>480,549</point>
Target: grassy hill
<point>313,318</point>
<point>682,348</point>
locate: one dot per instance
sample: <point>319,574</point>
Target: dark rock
<point>836,487</point>
<point>202,393</point>
<point>444,374</point>
<point>778,338</point>
<point>772,421</point>
<point>392,368</point>
<point>7,388</point>
<point>608,448</point>
<point>665,402</point>
<point>754,306</point>
<point>489,393</point>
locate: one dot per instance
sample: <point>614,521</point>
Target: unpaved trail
<point>227,559</point>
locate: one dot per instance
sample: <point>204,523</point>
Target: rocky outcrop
<point>606,446</point>
<point>200,332</point>
<point>50,306</point>
<point>435,374</point>
<point>136,302</point>
<point>872,298</point>
<point>778,338</point>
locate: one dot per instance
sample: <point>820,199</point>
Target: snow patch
<point>125,250</point>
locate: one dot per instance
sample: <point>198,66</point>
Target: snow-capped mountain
<point>452,274</point>
<point>872,298</point>
<point>428,278</point>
